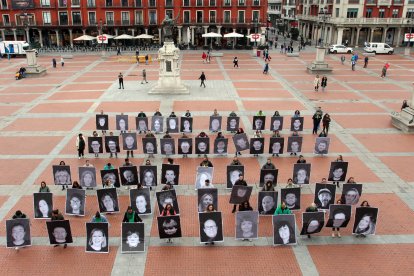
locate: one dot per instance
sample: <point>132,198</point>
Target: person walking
<point>266,68</point>
<point>62,61</point>
<point>202,78</point>
<point>144,76</point>
<point>384,71</point>
<point>121,80</point>
<point>54,62</point>
<point>118,51</point>
<point>146,59</point>
<point>324,82</point>
<point>343,59</point>
<point>317,118</point>
<point>326,120</point>
<point>235,62</point>
<point>353,62</point>
<point>316,83</point>
<point>366,62</point>
<point>80,145</point>
<point>204,57</point>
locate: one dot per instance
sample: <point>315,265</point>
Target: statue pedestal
<point>319,66</point>
<point>33,70</point>
<point>404,120</point>
<point>169,81</point>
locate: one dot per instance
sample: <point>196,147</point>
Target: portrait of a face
<point>221,146</point>
<point>142,124</point>
<point>365,221</point>
<point>324,195</point>
<point>257,145</point>
<point>43,205</point>
<point>110,177</point>
<point>95,144</point>
<point>338,171</point>
<point>87,176</point>
<point>312,222</point>
<point>206,197</point>
<point>234,176</point>
<point>186,124</point>
<point>141,204</point>
<point>291,196</point>
<point>239,194</point>
<point>233,173</point>
<point>167,197</point>
<point>277,123</point>
<point>301,173</point>
<point>108,200</point>
<point>267,202</point>
<point>296,124</point>
<point>258,123</point>
<point>210,226</point>
<point>62,175</point>
<point>168,148</point>
<point>351,193</point>
<point>232,123</point>
<point>284,229</point>
<point>102,122</point>
<point>276,147</point>
<point>97,237</point>
<point>215,123</point>
<point>185,147</point>
<point>169,227</point>
<point>246,224</point>
<point>202,146</point>
<point>157,125</point>
<point>129,141</point>
<point>172,124</point>
<point>18,233</point>
<point>122,122</point>
<point>169,176</point>
<point>59,231</point>
<point>60,234</point>
<point>149,147</point>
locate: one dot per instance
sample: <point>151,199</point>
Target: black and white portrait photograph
<point>339,215</point>
<point>129,141</point>
<point>215,123</point>
<point>18,233</point>
<point>202,145</point>
<point>149,145</point>
<point>170,174</point>
<point>259,122</point>
<point>211,227</point>
<point>351,193</point>
<point>167,197</point>
<point>59,232</point>
<point>87,176</point>
<point>296,123</point>
<point>133,237</point>
<point>141,124</point>
<point>256,145</point>
<point>112,144</point>
<point>95,145</point>
<point>365,221</point>
<point>291,196</point>
<point>108,200</point>
<point>186,124</point>
<point>140,201</point>
<point>220,145</point>
<point>312,222</point>
<point>102,122</point>
<point>185,146</point>
<point>337,171</point>
<point>267,175</point>
<point>241,142</point>
<point>233,123</point>
<point>301,173</point>
<point>294,144</point>
<point>75,202</point>
<point>267,202</point>
<point>173,125</point>
<point>43,205</point>
<point>276,123</point>
<point>148,175</point>
<point>129,175</point>
<point>97,237</point>
<point>110,178</point>
<point>169,227</point>
<point>203,174</point>
<point>167,146</point>
<point>276,145</point>
<point>207,196</point>
<point>233,174</point>
<point>284,229</point>
<point>324,195</point>
<point>247,223</point>
<point>61,175</point>
<point>321,145</point>
<point>121,122</point>
<point>157,124</point>
<point>240,194</point>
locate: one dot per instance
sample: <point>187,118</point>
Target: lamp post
<point>410,22</point>
<point>323,16</point>
<point>25,21</point>
<point>255,32</point>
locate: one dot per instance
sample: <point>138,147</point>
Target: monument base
<point>319,66</point>
<point>407,51</point>
<point>404,120</point>
<point>163,88</point>
<point>35,71</point>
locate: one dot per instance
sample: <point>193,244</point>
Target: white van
<point>14,48</point>
<point>378,48</point>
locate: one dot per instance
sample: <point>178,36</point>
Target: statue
<point>168,24</point>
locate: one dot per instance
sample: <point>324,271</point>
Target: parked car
<point>378,48</point>
<point>340,49</point>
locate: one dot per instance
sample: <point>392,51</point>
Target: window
<point>395,13</point>
<point>45,3</point>
<point>62,3</point>
<point>368,13</point>
<point>240,18</point>
<point>139,18</point>
<point>381,13</point>
<point>255,16</point>
<point>4,4</point>
<point>91,4</point>
<point>92,18</point>
<point>352,13</point>
<point>75,3</point>
<point>212,17</point>
<point>256,2</point>
<point>212,3</point>
<point>186,3</point>
<point>227,2</point>
<point>169,3</point>
<point>125,18</point>
<point>46,18</point>
<point>138,3</point>
<point>109,3</point>
<point>124,3</point>
<point>153,17</point>
<point>199,16</point>
<point>199,3</point>
<point>242,2</point>
<point>152,3</point>
<point>109,18</point>
<point>169,13</point>
<point>337,12</point>
<point>63,18</point>
<point>227,17</point>
<point>353,1</point>
<point>410,13</point>
<point>76,18</point>
<point>6,19</point>
<point>371,2</point>
<point>186,17</point>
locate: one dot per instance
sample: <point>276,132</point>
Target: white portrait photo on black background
<point>276,123</point>
<point>276,145</point>
<point>291,196</point>
<point>172,125</point>
<point>215,123</point>
<point>43,205</point>
<point>220,145</point>
<point>211,227</point>
<point>240,194</point>
<point>170,173</point>
<point>129,141</point>
<point>157,124</point>
<point>108,200</point>
<point>247,225</point>
<point>233,123</point>
<point>75,202</point>
<point>167,197</point>
<point>324,195</point>
<point>61,175</point>
<point>110,178</point>
<point>207,196</point>
<point>129,175</point>
<point>267,202</point>
<point>148,175</point>
<point>140,201</point>
<point>186,124</point>
<point>95,145</point>
<point>121,122</point>
<point>59,232</point>
<point>233,174</point>
<point>185,146</point>
<point>301,173</point>
<point>18,233</point>
<point>102,122</point>
<point>268,175</point>
<point>87,177</point>
<point>259,122</point>
<point>169,227</point>
<point>312,222</point>
<point>241,142</point>
<point>202,145</point>
<point>149,145</point>
<point>167,146</point>
<point>132,237</point>
<point>97,237</point>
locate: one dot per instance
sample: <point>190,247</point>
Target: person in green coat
<point>282,209</point>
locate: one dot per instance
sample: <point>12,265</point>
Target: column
<point>218,39</point>
<point>71,38</point>
<point>330,35</point>
<point>57,38</point>
<point>357,36</point>
<point>159,35</point>
<point>384,34</point>
<point>192,35</point>
<point>179,33</point>
<point>40,37</point>
<point>325,36</point>
<point>27,35</point>
<point>397,38</point>
<point>371,34</point>
<point>14,34</point>
<point>340,34</point>
<point>133,32</point>
<point>146,30</point>
<point>3,35</point>
<point>116,31</point>
<point>205,31</point>
<point>248,39</point>
<point>84,31</point>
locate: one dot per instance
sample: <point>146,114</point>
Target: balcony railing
<point>372,21</point>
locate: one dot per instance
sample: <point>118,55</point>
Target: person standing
<point>366,62</point>
<point>353,62</point>
<point>316,83</point>
<point>326,122</point>
<point>202,78</point>
<point>317,117</point>
<point>342,59</point>
<point>144,76</point>
<point>62,61</point>
<point>324,83</point>
<point>266,68</point>
<point>121,80</point>
<point>80,145</point>
<point>44,188</point>
<point>131,216</point>
<point>282,209</point>
<point>118,51</point>
<point>235,62</point>
<point>54,62</point>
<point>240,182</point>
<point>146,59</point>
<point>384,71</point>
<point>311,209</point>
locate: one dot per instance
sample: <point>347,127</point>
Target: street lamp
<point>25,21</point>
<point>255,32</point>
<point>323,16</point>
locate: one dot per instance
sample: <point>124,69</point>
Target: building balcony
<point>275,12</point>
<point>357,21</point>
<point>274,1</point>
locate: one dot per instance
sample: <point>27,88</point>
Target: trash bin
<point>258,53</point>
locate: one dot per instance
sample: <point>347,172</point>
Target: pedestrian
<point>317,118</point>
<point>240,182</point>
<point>266,68</point>
<point>204,57</point>
<point>337,229</point>
<point>404,105</point>
<point>121,80</point>
<point>131,216</point>
<point>80,145</point>
<point>118,51</point>
<point>282,209</point>
<point>202,78</point>
<point>281,48</point>
<point>44,188</point>
<point>384,71</point>
<point>353,62</point>
<point>365,62</point>
<point>144,76</point>
<point>326,120</point>
<point>54,62</point>
<point>316,83</point>
<point>146,59</point>
<point>62,61</point>
<point>312,208</point>
<point>342,59</point>
<point>235,62</point>
<point>137,55</point>
<point>324,82</point>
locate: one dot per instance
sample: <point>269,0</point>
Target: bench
<point>368,54</point>
<point>296,54</point>
<point>216,54</point>
<point>67,56</point>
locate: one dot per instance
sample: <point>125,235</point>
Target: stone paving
<point>40,118</point>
